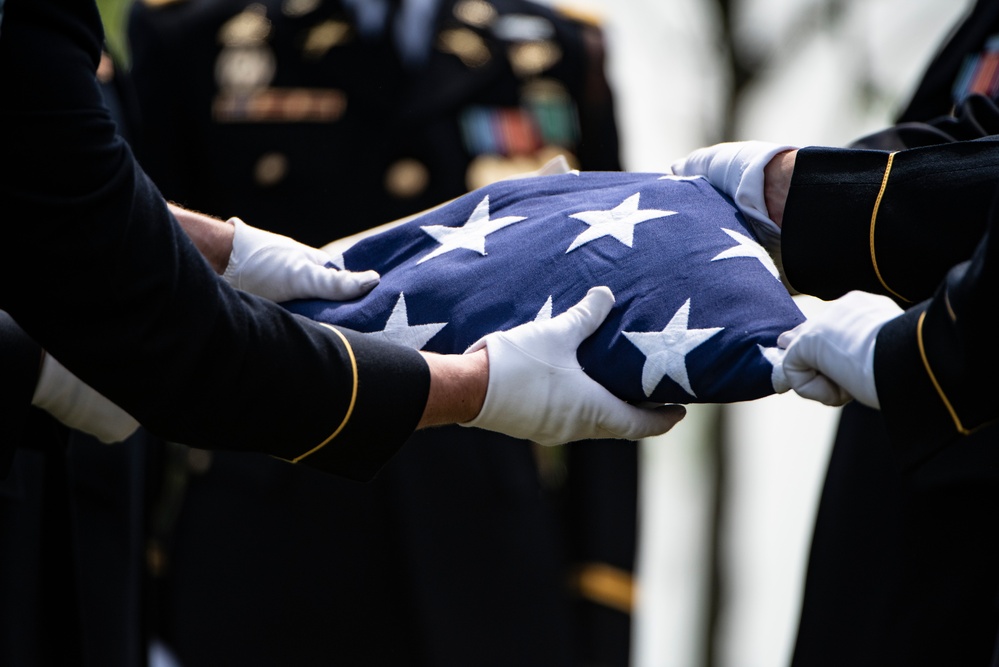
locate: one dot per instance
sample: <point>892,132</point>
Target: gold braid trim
<point>950,309</point>
<point>353,398</point>
<point>929,371</point>
<point>874,219</point>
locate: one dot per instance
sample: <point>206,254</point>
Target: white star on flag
<point>775,356</point>
<point>666,351</point>
<point>398,330</point>
<point>748,248</point>
<point>618,222</point>
<point>677,177</point>
<point>471,235</point>
<point>545,313</point>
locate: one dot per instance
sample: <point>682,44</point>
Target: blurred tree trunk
<point>744,66</point>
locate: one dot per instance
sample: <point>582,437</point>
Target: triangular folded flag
<point>699,303</point>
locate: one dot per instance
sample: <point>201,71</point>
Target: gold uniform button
<point>248,28</point>
<point>532,58</point>
<point>406,178</point>
<point>478,13</point>
<point>270,169</point>
<point>323,37</point>
<point>299,7</point>
<point>468,46</point>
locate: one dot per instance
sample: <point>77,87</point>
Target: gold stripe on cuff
<point>874,220</point>
<point>929,371</point>
<point>950,308</point>
<point>353,398</point>
<point>606,585</point>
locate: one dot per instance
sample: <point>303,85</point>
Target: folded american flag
<point>699,302</point>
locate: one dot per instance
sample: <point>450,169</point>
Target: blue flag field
<point>699,303</point>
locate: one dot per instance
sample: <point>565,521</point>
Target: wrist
<point>458,385</point>
<point>212,237</point>
<point>777,183</point>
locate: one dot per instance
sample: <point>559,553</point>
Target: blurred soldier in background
<point>318,119</point>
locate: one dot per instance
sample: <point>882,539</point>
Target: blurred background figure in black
<point>318,119</point>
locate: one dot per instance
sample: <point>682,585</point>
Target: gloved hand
<point>736,168</point>
<point>830,357</point>
<point>538,391</point>
<point>280,269</point>
<point>77,405</point>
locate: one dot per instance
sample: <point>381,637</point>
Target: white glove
<point>538,391</point>
<point>830,357</point>
<point>736,168</point>
<point>280,269</point>
<point>74,403</point>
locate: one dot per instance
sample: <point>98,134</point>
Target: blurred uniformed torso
<point>318,119</point>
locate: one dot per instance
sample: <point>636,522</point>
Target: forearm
<point>457,388</point>
<point>854,220</point>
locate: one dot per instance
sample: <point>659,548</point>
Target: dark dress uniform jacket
<point>123,291</point>
<point>98,272</point>
<point>296,117</point>
<point>902,568</point>
<point>902,564</point>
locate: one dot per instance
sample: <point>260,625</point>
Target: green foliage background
<point>114,13</point>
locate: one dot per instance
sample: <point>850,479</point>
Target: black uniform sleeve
<point>96,270</point>
<point>20,360</point>
<point>889,223</point>
<point>935,367</point>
